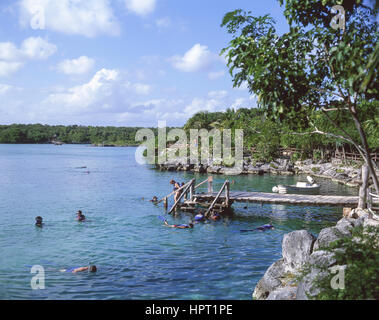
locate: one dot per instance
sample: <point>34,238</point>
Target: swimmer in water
<point>180,226</point>
<point>200,216</point>
<point>261,228</point>
<point>265,227</point>
<point>81,269</point>
<point>215,216</point>
<point>39,222</point>
<point>154,200</point>
<point>80,216</point>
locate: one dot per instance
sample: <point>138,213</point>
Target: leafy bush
<point>360,254</point>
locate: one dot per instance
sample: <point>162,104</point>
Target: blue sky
<point>117,62</point>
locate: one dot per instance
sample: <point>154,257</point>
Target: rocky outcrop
<point>301,249</point>
<point>282,166</point>
<point>278,280</point>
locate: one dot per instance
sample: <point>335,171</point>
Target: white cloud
<point>140,7</point>
<point>9,51</point>
<point>13,58</point>
<point>86,97</point>
<point>198,58</point>
<point>4,88</point>
<point>218,94</point>
<point>139,88</point>
<point>37,48</point>
<point>7,68</point>
<point>216,75</point>
<point>84,17</point>
<point>81,65</point>
<point>163,23</point>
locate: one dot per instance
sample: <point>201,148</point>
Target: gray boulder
<point>321,258</point>
<point>286,293</point>
<point>327,236</point>
<point>270,281</point>
<point>307,287</point>
<point>296,248</point>
<point>345,226</point>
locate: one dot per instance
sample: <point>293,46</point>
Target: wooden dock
<point>221,201</point>
<point>275,198</point>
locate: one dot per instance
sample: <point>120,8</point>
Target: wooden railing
<point>188,188</point>
<point>227,190</point>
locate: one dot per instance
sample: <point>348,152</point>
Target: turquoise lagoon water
<point>137,258</point>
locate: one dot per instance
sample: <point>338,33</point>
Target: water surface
<point>137,258</point>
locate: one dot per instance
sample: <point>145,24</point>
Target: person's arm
<point>80,269</point>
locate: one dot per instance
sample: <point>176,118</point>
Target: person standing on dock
<point>176,187</point>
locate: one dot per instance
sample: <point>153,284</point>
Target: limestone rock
<point>270,280</point>
<point>329,235</point>
<point>296,248</point>
<point>286,293</point>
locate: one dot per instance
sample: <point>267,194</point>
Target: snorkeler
<point>39,222</point>
<point>80,216</point>
<point>215,216</point>
<point>179,226</point>
<point>261,228</point>
<point>200,216</point>
<point>265,227</point>
<point>81,269</point>
<point>154,200</point>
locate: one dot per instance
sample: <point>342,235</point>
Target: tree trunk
<point>362,204</point>
<point>366,148</point>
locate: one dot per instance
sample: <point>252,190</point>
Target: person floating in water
<point>215,216</point>
<point>154,200</point>
<point>80,216</point>
<point>177,186</point>
<point>81,269</point>
<point>179,226</point>
<point>261,228</point>
<point>200,216</point>
<point>39,222</point>
<point>265,227</point>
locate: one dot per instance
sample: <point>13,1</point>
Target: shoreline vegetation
<point>73,134</point>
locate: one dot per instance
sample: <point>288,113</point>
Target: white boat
<point>309,187</point>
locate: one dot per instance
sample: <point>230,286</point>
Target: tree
<point>312,68</point>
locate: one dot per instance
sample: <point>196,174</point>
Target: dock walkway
<point>275,198</point>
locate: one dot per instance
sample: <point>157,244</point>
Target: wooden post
<point>192,190</point>
<point>227,192</point>
<point>216,199</point>
<point>165,203</point>
<point>369,198</point>
<point>210,184</point>
<point>362,204</point>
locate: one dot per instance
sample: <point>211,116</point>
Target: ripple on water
<point>137,257</point>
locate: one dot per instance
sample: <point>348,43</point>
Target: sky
<point>118,62</point>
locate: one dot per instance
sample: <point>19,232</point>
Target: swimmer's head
<point>79,212</point>
<point>38,220</point>
<point>92,269</point>
<point>172,182</point>
<point>155,199</point>
<point>190,225</point>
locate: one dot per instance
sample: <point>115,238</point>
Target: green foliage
<point>38,133</point>
<point>361,256</point>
